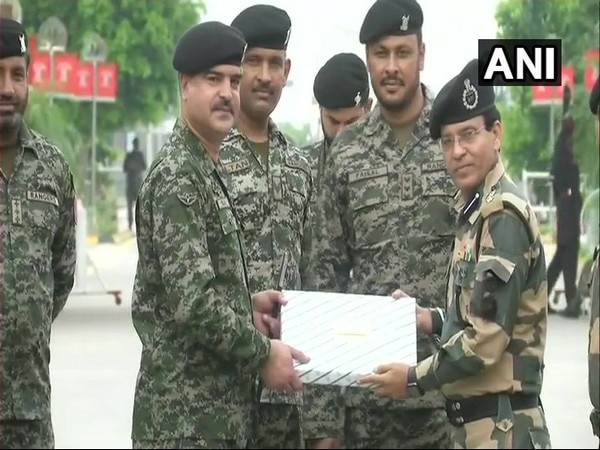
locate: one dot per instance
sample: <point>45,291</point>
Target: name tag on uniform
<point>367,173</point>
<point>45,197</point>
<point>433,166</point>
<point>237,166</point>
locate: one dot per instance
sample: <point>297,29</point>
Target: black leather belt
<point>474,408</point>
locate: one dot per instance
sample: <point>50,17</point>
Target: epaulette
<point>496,201</point>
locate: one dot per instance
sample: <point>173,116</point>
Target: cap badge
<point>357,98</point>
<point>404,24</point>
<point>22,42</point>
<point>470,97</point>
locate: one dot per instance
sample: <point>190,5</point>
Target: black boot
<point>573,309</point>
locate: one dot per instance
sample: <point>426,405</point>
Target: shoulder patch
<point>187,198</point>
<point>44,197</point>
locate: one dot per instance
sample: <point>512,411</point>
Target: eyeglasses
<point>465,138</point>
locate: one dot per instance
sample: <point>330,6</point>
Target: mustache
<point>264,87</point>
<point>394,79</point>
<point>8,100</point>
<point>225,106</point>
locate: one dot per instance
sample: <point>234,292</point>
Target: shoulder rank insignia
<point>187,198</point>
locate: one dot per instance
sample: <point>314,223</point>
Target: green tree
<point>140,37</point>
<point>49,120</point>
<point>527,136</point>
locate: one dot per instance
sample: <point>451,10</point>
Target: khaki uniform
<point>490,366</point>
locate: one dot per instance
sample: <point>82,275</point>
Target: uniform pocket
<point>228,221</point>
<point>369,203</point>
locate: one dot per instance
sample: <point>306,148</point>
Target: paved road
<point>95,356</point>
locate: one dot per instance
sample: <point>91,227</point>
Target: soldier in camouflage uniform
<point>270,187</point>
<point>594,339</point>
<point>341,88</point>
<point>491,361</point>
<point>191,307</point>
<point>385,216</point>
<point>37,253</point>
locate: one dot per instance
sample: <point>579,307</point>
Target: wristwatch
<point>413,386</point>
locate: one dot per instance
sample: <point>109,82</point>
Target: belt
<point>474,408</point>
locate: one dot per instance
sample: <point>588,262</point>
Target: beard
<point>10,122</point>
<point>401,103</point>
<point>328,139</point>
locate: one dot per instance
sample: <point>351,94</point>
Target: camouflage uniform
<point>272,204</point>
<point>37,234</point>
<point>384,213</point>
<point>594,346</point>
<point>191,307</point>
<point>316,153</point>
<point>323,406</point>
<point>490,366</point>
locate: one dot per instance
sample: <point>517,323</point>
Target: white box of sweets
<point>347,335</point>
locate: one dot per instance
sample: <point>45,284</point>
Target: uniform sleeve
<point>64,248</point>
<point>180,241</point>
<point>500,278</point>
<point>330,265</point>
<point>437,321</point>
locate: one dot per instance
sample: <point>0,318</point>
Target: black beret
<point>264,26</point>
<point>342,82</point>
<point>595,97</point>
<point>460,99</point>
<point>207,45</point>
<point>391,17</point>
<point>13,39</point>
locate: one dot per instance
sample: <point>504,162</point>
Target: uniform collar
<point>193,145</point>
<point>29,140</point>
<point>469,210</point>
<point>275,135</point>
